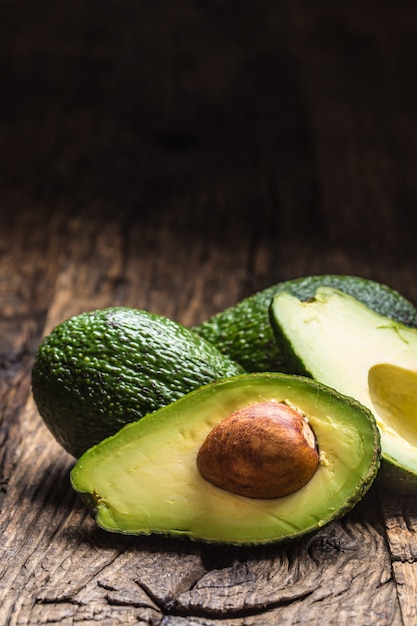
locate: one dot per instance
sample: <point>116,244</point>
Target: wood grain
<point>178,157</point>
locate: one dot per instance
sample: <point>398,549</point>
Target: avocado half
<point>243,331</point>
<point>145,478</point>
<point>343,344</point>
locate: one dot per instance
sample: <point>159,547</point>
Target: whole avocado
<point>102,369</point>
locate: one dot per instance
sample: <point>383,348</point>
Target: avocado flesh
<point>101,369</point>
<point>145,479</point>
<point>243,331</point>
<point>345,345</point>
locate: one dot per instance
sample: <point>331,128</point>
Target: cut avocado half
<point>145,479</point>
<point>345,345</point>
<point>244,333</point>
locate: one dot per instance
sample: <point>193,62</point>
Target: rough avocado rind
<point>243,331</point>
<point>344,344</point>
<point>145,479</point>
<point>101,369</point>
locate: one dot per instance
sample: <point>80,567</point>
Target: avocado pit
<point>265,450</point>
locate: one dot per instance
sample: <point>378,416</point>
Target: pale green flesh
<point>145,479</point>
<point>349,347</point>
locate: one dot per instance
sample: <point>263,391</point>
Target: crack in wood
<point>171,608</point>
<point>62,599</point>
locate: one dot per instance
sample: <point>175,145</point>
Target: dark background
<point>289,126</point>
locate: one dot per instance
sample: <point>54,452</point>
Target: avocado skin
<point>392,478</point>
<point>101,369</point>
<point>205,512</point>
<point>243,331</point>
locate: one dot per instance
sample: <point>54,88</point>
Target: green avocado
<point>145,479</point>
<point>101,369</point>
<point>243,331</point>
<point>344,344</point>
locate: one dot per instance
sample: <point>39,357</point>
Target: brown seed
<point>266,450</point>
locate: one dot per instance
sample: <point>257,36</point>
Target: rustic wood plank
<point>401,527</point>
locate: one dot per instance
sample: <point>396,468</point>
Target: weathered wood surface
<point>177,157</point>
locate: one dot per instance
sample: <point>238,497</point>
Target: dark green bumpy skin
<point>243,332</point>
<point>100,370</point>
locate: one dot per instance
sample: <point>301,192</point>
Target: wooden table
<point>177,157</point>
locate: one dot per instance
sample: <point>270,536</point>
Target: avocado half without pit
<point>342,343</point>
<point>252,459</point>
